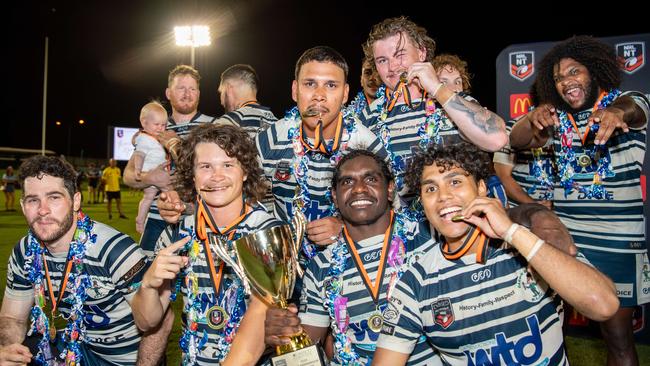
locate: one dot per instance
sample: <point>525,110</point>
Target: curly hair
<point>39,165</point>
<point>456,63</point>
<point>236,143</point>
<point>464,155</point>
<point>402,26</point>
<point>598,57</point>
<point>183,70</point>
<point>355,153</point>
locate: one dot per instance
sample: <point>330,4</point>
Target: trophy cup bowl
<point>269,259</point>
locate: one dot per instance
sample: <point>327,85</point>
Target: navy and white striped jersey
<point>612,225</point>
<point>403,124</point>
<point>252,118</point>
<point>115,264</point>
<point>276,152</point>
<point>313,303</point>
<point>522,162</point>
<point>495,313</point>
<point>256,220</point>
<point>184,129</point>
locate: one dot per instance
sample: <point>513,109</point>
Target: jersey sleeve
<point>127,264</point>
<point>312,300</point>
<point>18,284</point>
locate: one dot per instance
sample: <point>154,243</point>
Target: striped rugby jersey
<point>522,166</point>
<point>256,220</point>
<point>314,308</point>
<point>276,153</point>
<point>475,314</point>
<point>615,225</point>
<point>252,118</point>
<point>403,124</point>
<point>115,264</point>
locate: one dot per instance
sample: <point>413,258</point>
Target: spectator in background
<point>93,175</point>
<point>9,183</point>
<point>111,179</point>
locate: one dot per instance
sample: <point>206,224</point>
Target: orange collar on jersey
<point>474,236</point>
<point>250,102</point>
<point>319,140</point>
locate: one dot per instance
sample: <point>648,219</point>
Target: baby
<point>148,154</point>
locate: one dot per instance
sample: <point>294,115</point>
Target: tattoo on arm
<point>480,117</point>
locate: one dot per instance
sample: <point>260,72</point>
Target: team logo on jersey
<point>283,171</point>
<point>443,313</point>
<point>391,314</point>
<point>522,64</point>
<point>631,56</point>
<point>533,290</point>
<point>216,317</point>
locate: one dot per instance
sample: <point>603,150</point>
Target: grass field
<point>582,352</point>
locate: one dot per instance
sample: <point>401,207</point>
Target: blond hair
<point>152,107</point>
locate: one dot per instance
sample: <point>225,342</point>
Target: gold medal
<point>584,160</point>
<point>375,321</point>
<point>216,317</point>
<point>52,329</point>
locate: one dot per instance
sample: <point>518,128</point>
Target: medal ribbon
<point>204,217</point>
<point>55,301</point>
<point>475,235</point>
<point>373,288</point>
<point>319,140</point>
<point>402,89</point>
<point>583,138</point>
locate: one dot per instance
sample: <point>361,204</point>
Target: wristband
<point>511,231</point>
<point>531,254</point>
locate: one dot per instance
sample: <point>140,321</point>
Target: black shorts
<point>93,182</point>
<point>113,195</point>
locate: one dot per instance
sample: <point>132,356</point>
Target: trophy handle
<point>221,250</point>
<point>299,222</point>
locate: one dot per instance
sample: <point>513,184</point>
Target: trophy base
<point>308,356</point>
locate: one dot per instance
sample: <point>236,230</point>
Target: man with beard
<point>69,272</point>
<point>347,285</point>
<point>485,294</point>
<point>183,94</point>
<point>599,135</point>
<point>238,94</point>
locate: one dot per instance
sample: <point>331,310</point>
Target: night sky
<point>108,58</point>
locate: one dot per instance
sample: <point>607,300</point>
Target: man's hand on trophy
<point>166,266</point>
<point>170,206</point>
<point>281,324</point>
<point>324,231</point>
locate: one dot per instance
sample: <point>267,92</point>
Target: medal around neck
<point>269,259</point>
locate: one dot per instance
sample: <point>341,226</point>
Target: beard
<point>591,94</point>
<point>62,228</point>
<point>184,108</point>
